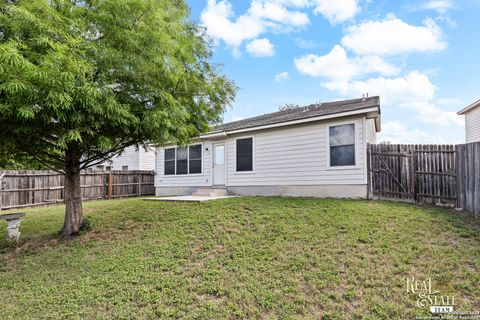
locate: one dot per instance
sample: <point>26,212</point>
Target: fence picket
<point>31,188</point>
<point>444,174</point>
<point>413,172</point>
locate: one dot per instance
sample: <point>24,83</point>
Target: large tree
<point>82,80</point>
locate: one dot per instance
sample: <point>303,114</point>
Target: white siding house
<point>131,159</point>
<point>318,150</point>
<point>371,131</point>
<point>472,121</point>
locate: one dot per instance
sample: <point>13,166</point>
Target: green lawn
<point>257,258</point>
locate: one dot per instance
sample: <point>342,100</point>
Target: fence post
<point>369,180</point>
<point>110,187</point>
<point>414,175</point>
<point>1,188</point>
<point>459,175</point>
<point>140,178</point>
<point>476,178</point>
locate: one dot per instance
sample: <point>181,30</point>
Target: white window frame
<point>235,155</point>
<point>356,142</point>
<point>188,161</point>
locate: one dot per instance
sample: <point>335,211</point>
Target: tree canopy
<point>103,75</point>
<point>82,80</point>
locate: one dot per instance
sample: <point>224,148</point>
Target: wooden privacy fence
<point>31,188</point>
<point>418,173</point>
<point>468,171</point>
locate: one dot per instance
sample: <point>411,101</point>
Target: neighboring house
<point>472,121</point>
<point>317,150</point>
<point>130,159</point>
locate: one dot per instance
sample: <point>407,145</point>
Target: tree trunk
<point>73,194</point>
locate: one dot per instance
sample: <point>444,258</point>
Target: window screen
<point>182,160</point>
<point>245,154</point>
<point>124,168</point>
<point>342,145</point>
<point>169,167</point>
<point>195,159</point>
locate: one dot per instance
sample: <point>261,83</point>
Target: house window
<point>342,145</point>
<point>244,154</point>
<point>124,168</point>
<point>180,160</point>
<point>195,159</point>
<point>169,161</point>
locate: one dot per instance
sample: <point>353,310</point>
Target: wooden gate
<point>391,171</point>
<point>417,173</point>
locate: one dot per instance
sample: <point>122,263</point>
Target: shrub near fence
<point>31,188</point>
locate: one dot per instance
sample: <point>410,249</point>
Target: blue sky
<point>421,57</point>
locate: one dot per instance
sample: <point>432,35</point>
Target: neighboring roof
<point>470,107</point>
<point>311,111</point>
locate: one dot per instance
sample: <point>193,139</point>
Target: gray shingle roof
<point>313,110</point>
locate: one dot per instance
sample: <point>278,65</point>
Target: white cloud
<point>216,17</point>
<point>293,3</point>
<point>441,6</point>
<point>336,65</point>
<point>262,16</point>
<point>446,19</point>
<point>337,11</point>
<point>306,44</point>
<point>282,76</point>
<point>393,36</point>
<point>405,89</point>
<point>413,91</point>
<point>398,132</point>
<point>261,48</point>
<point>278,13</point>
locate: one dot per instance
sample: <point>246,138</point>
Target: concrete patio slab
<point>189,198</point>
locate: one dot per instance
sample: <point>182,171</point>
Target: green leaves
<point>104,75</point>
<point>10,56</point>
<point>26,112</point>
<point>15,86</point>
<point>73,135</point>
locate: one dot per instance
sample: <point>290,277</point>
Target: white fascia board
<point>214,134</point>
<point>470,107</point>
